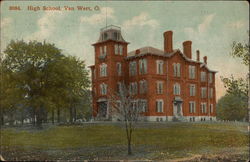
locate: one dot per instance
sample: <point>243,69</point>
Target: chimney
<point>205,59</point>
<point>137,51</point>
<point>197,55</point>
<point>168,41</point>
<point>187,48</point>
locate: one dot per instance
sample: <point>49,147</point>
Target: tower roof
<point>110,32</point>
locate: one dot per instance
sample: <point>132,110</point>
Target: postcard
<point>124,80</point>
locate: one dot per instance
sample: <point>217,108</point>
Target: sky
<point>211,26</point>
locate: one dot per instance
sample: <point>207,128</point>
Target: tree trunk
<point>2,117</point>
<point>33,117</point>
<point>70,115</point>
<point>53,117</point>
<point>74,114</point>
<point>22,118</point>
<point>58,115</point>
<point>11,118</point>
<point>39,118</point>
<point>129,147</point>
<point>45,116</point>
<point>128,133</point>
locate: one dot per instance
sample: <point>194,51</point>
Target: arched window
<point>159,66</point>
<point>177,69</point>
<point>177,89</point>
<point>143,66</point>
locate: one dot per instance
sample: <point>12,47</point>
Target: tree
<point>10,92</point>
<point>239,87</point>
<point>232,107</point>
<point>123,106</point>
<point>48,79</point>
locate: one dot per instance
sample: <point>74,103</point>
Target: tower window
<point>119,68</point>
<point>103,70</point>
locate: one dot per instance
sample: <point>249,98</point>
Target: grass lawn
<point>154,141</point>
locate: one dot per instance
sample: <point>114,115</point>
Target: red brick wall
<point>167,77</point>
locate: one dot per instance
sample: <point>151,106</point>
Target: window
<point>192,107</point>
<point>132,68</point>
<point>133,88</point>
<point>203,92</point>
<point>159,89</point>
<point>177,69</point>
<point>101,51</point>
<point>191,72</point>
<point>105,50</point>
<point>134,104</point>
<point>211,92</point>
<point>120,49</point>
<point>203,76</point>
<point>119,87</point>
<point>192,89</point>
<point>177,89</point>
<point>142,66</point>
<point>159,105</point>
<point>116,49</point>
<point>103,70</point>
<point>210,77</point>
<point>203,107</point>
<point>211,108</point>
<point>159,66</point>
<point>143,86</point>
<point>143,105</point>
<point>103,89</point>
<point>119,68</point>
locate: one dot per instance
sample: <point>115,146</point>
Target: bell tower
<point>110,64</point>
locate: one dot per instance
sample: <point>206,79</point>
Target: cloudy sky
<point>211,26</point>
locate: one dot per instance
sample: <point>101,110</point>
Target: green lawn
<point>108,141</point>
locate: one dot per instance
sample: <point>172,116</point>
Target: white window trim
<point>203,92</point>
<point>192,90</point>
<point>203,107</point>
<point>192,109</point>
<point>203,76</point>
<point>103,70</point>
<point>116,49</point>
<point>159,87</point>
<point>159,66</point>
<point>157,108</point>
<point>177,89</point>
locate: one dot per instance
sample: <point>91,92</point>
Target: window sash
<point>120,49</point>
<point>159,106</point>
<point>192,107</point>
<point>119,69</point>
<point>203,76</point>
<point>116,49</point>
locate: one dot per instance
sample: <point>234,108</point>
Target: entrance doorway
<point>178,109</point>
<point>102,109</point>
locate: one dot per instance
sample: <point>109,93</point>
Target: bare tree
<point>123,105</point>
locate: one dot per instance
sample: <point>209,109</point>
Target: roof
<point>110,33</point>
<point>154,51</point>
<point>205,65</point>
<point>145,50</point>
<point>148,50</point>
